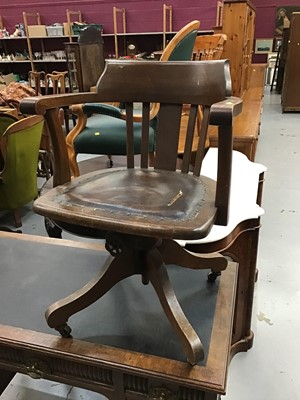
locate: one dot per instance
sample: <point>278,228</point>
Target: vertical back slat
<point>189,139</point>
<point>202,140</point>
<point>145,136</point>
<point>129,136</point>
<point>167,137</point>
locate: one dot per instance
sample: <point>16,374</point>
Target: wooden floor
<point>247,124</point>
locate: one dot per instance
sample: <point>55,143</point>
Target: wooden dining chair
<point>142,211</point>
<point>36,80</point>
<point>209,47</point>
<point>56,83</point>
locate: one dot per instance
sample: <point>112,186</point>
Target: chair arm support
<point>223,112</point>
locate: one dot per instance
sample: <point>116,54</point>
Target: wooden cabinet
<point>238,25</point>
<point>85,60</point>
<point>291,82</point>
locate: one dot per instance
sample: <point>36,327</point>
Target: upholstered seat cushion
<point>104,134</point>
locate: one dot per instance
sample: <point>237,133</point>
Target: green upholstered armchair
<point>20,143</point>
<point>5,121</point>
<point>104,132</point>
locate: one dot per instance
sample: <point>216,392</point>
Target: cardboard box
<point>37,31</point>
<point>55,30</point>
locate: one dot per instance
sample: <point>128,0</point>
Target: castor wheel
<point>110,163</point>
<point>64,330</point>
<point>212,276</point>
<point>53,230</point>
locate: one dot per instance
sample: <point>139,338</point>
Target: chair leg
<point>147,257</point>
<point>173,253</point>
<point>110,162</point>
<point>17,217</point>
<point>159,278</point>
<point>53,230</point>
<point>115,270</point>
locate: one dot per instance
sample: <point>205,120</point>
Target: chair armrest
<point>113,111</point>
<point>222,113</point>
<point>39,104</point>
<point>104,109</point>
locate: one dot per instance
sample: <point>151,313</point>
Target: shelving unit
<point>115,44</point>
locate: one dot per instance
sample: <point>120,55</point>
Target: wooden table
<point>246,126</point>
<point>123,347</point>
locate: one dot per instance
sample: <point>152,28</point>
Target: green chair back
<point>20,149</point>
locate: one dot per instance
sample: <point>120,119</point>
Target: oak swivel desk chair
<point>141,211</point>
<point>20,145</point>
<point>104,132</point>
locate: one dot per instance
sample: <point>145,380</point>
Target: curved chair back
<point>180,47</point>
<point>58,81</point>
<point>20,145</point>
<point>5,121</point>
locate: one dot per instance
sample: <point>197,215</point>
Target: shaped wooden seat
<point>140,210</point>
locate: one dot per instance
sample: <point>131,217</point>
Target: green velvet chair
<point>101,128</point>
<point>20,143</point>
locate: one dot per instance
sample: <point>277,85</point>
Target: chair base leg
<point>17,217</point>
<point>147,257</point>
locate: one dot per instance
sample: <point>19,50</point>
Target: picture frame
<point>277,43</point>
<point>264,46</point>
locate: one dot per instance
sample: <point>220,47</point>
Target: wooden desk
<point>134,358</point>
<point>247,125</point>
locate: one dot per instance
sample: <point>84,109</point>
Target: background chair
<point>57,82</point>
<point>5,121</point>
<point>106,133</point>
<point>36,80</point>
<point>142,211</point>
<point>18,177</point>
<point>209,47</point>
